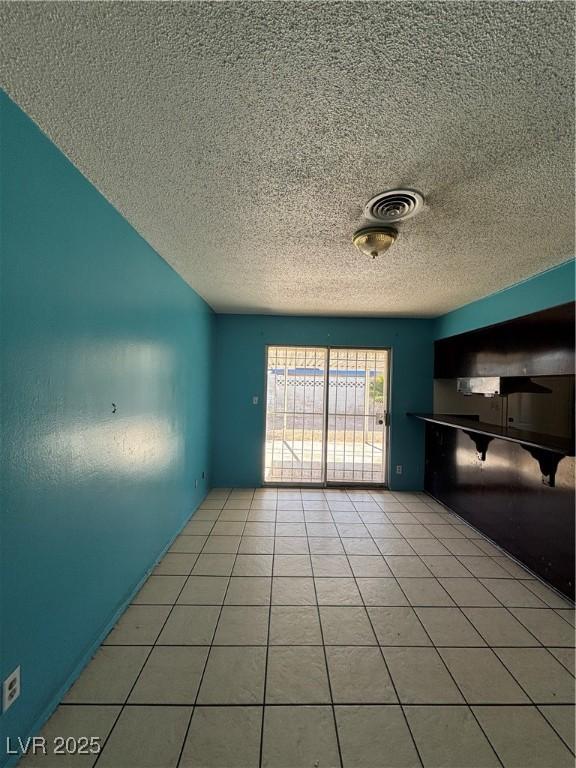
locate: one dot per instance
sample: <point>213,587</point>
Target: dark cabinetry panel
<point>539,344</point>
<point>505,498</point>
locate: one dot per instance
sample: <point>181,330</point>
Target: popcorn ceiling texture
<point>243,139</point>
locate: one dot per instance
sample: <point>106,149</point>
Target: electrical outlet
<point>10,689</point>
<point>255,400</point>
<point>398,469</point>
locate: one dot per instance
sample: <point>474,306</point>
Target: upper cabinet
<point>540,344</point>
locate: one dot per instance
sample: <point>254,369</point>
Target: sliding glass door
<point>326,415</point>
<point>295,414</point>
<point>357,416</point>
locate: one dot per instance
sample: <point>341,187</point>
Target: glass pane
<point>295,414</point>
<point>357,407</point>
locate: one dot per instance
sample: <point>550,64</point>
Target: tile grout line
<point>338,745</point>
<point>463,704</point>
<point>201,680</point>
<point>332,707</point>
<point>376,638</point>
<point>470,579</point>
<point>262,721</point>
<point>312,645</point>
<point>554,728</point>
<point>561,648</point>
<point>209,647</point>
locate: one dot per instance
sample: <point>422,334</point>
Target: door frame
<point>387,425</point>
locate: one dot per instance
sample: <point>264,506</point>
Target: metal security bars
<point>295,414</point>
<point>326,415</point>
<point>357,416</point>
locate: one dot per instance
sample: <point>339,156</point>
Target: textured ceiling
<point>243,139</point>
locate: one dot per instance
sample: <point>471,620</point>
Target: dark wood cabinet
<point>541,344</point>
<point>505,497</point>
<point>517,486</point>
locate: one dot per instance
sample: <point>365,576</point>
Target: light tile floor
<point>296,627</point>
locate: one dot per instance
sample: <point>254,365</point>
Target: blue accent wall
<point>546,289</point>
<point>90,316</point>
<point>239,374</point>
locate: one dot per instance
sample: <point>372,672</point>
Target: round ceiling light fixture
<point>374,241</point>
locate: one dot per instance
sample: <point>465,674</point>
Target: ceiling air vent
<point>394,205</point>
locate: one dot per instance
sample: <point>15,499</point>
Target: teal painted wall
<point>90,316</point>
<point>547,289</point>
<point>239,373</point>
